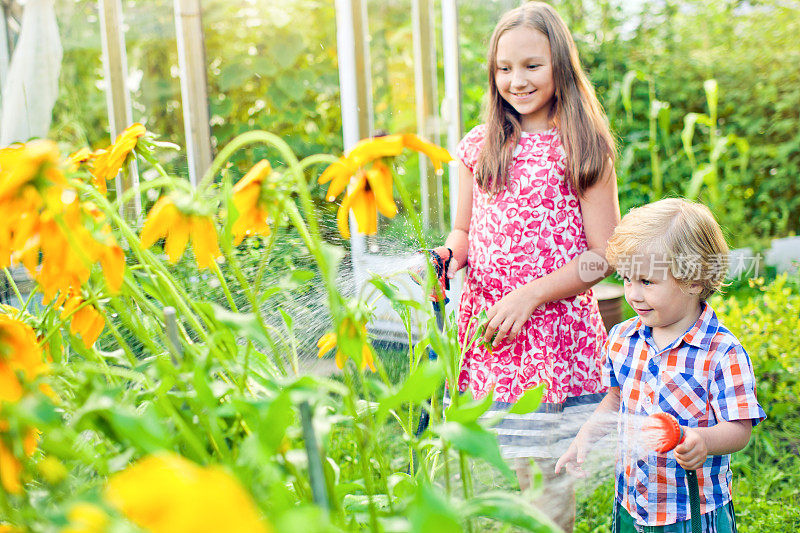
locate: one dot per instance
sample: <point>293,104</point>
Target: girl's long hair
<point>588,143</point>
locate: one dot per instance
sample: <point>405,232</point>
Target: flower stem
<point>16,291</point>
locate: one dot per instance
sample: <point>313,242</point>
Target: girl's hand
<point>692,452</point>
<point>507,316</point>
<point>444,253</point>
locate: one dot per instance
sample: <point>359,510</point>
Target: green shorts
<point>720,520</point>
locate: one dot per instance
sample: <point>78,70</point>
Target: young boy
<point>675,357</point>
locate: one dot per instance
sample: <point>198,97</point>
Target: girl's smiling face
<point>524,75</point>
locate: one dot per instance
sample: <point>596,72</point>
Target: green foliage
<point>759,112</point>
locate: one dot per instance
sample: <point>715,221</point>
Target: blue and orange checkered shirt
<point>701,378</point>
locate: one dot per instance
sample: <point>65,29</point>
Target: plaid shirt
<point>702,377</point>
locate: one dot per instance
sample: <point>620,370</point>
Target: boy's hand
<point>692,452</point>
<point>573,458</point>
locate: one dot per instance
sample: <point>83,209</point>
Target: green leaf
<point>301,276</point>
<point>687,135</point>
<point>712,97</point>
<point>245,323</point>
<point>201,388</point>
<point>268,293</point>
<point>509,509</point>
<point>287,319</point>
<point>287,49</point>
<point>233,75</point>
<point>626,89</point>
<point>402,485</point>
<point>419,386</point>
<point>333,255</point>
<point>432,513</point>
<point>280,415</point>
<point>699,177</point>
<point>143,429</point>
<point>477,442</point>
<point>470,412</point>
<point>529,401</point>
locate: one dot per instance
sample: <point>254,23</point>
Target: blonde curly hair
<point>685,234</point>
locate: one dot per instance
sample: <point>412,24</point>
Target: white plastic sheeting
<point>31,89</point>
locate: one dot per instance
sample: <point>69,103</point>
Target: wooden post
<point>115,66</point>
<point>194,87</point>
<point>426,101</point>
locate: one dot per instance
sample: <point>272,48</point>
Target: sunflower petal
<point>366,358</point>
<point>159,220</point>
<point>437,154</point>
<point>342,167</point>
<point>326,343</point>
<point>254,176</point>
<point>365,211</point>
<point>370,149</point>
<point>343,217</point>
<point>113,263</point>
<point>204,241</point>
<point>377,177</point>
<point>177,238</point>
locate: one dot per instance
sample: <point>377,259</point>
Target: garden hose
<point>438,300</point>
<point>663,434</point>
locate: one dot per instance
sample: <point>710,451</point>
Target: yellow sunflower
<point>166,221</point>
<point>355,331</point>
<point>20,357</point>
<point>253,214</point>
<point>108,162</point>
<point>165,493</point>
<point>21,164</point>
<point>370,192</point>
<point>86,322</point>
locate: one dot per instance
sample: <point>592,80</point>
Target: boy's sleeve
<point>608,376</point>
<point>733,388</point>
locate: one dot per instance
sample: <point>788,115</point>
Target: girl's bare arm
<point>458,240</point>
<point>600,210</point>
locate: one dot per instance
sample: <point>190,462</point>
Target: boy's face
<point>663,303</point>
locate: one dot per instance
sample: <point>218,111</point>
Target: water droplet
<point>68,196</point>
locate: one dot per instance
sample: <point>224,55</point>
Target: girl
<point>537,202</point>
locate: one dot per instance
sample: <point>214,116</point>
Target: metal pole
<point>425,91</point>
<point>115,67</point>
<point>451,110</point>
<point>355,97</point>
<point>5,48</point>
<point>194,86</point>
<point>451,106</point>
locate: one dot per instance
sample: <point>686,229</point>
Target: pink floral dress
<point>530,229</point>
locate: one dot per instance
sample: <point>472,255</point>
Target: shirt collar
<point>699,335</point>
